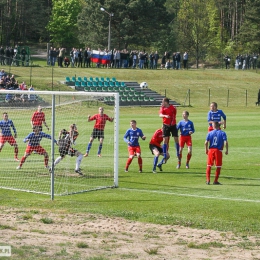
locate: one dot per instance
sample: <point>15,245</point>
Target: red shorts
<point>210,128</point>
<point>9,139</point>
<point>38,149</point>
<point>214,155</point>
<point>185,139</point>
<point>134,150</point>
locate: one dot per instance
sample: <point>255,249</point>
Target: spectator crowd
<point>10,83</point>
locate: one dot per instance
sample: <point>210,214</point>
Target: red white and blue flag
<point>100,57</point>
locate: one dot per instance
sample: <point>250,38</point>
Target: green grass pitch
<point>173,196</point>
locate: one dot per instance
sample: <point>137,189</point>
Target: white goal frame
<point>55,94</point>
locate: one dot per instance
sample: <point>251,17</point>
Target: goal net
<point>58,169</point>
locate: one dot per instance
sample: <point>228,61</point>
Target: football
<point>143,85</point>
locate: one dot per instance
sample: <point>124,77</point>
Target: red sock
<point>217,173</point>
<point>22,161</point>
<point>128,162</point>
<point>208,173</point>
<point>140,162</point>
<point>16,152</point>
<point>46,160</point>
<point>188,157</point>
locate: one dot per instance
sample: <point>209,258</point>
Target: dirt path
<point>38,235</point>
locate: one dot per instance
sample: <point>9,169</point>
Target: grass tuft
<point>82,245</point>
<point>47,220</point>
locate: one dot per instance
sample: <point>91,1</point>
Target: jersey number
<point>215,141</point>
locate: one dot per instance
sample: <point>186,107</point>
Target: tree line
<point>207,29</point>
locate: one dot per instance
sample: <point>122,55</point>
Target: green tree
<point>135,22</point>
<point>195,33</point>
<point>249,34</point>
<point>63,22</point>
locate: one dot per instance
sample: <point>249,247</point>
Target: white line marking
<point>191,195</point>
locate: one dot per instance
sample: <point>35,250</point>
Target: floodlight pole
<point>109,27</point>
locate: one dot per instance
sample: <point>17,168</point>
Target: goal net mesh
<point>61,110</point>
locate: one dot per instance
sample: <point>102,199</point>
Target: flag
<point>100,57</point>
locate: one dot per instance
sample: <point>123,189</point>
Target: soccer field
<point>174,196</point>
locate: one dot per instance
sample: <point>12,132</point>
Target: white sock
<point>78,161</point>
<point>57,160</point>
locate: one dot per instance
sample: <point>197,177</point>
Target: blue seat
<point>79,79</point>
<point>89,84</point>
<point>85,79</point>
<point>83,84</point>
<point>73,79</point>
<point>67,80</point>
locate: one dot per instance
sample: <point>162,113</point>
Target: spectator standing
<point>151,60</point>
<point>185,60</point>
<point>61,56</point>
<point>178,60</point>
<point>156,58</point>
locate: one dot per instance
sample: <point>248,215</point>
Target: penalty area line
<point>190,195</point>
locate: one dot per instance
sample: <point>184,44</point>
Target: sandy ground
<point>86,236</point>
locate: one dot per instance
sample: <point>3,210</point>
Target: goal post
<point>62,109</point>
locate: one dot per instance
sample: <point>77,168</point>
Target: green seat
<point>151,99</point>
<point>121,89</point>
<point>99,89</point>
<point>140,99</point>
<point>129,99</point>
<point>146,99</point>
<point>104,89</point>
<point>125,94</point>
<point>112,99</point>
<point>87,89</point>
<point>93,89</point>
<point>135,99</point>
<point>130,94</point>
<point>106,99</point>
<point>127,89</point>
<point>137,94</point>
<point>142,94</point>
<point>132,89</point>
<point>123,99</point>
<point>110,89</point>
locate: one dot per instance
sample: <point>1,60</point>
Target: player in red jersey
<point>38,118</point>
<point>98,131</point>
<point>214,144</point>
<point>168,114</point>
<point>156,149</point>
